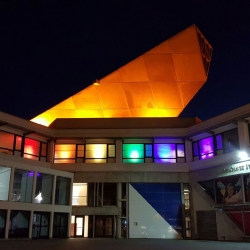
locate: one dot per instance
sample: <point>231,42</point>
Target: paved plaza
<point>121,244</point>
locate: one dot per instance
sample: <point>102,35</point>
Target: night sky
<point>50,50</point>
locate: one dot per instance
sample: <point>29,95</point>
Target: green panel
<point>133,160</point>
<point>133,151</point>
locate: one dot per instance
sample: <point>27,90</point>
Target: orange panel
<point>159,83</point>
<point>189,67</point>
<point>160,67</point>
<point>134,71</point>
<point>167,95</point>
<point>139,95</point>
<point>113,77</point>
<point>188,90</point>
<point>87,99</point>
<point>109,99</point>
<point>160,49</point>
<point>185,41</point>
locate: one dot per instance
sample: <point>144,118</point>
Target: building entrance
<point>104,226</point>
<point>40,225</point>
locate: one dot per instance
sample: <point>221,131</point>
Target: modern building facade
<point>115,161</point>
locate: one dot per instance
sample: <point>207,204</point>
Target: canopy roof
<point>159,83</point>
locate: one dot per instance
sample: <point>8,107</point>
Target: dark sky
<point>50,50</point>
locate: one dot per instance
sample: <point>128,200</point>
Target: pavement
<point>119,244</point>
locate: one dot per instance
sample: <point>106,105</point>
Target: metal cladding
<point>159,83</point>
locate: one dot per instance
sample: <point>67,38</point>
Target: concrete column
<point>51,224</point>
<point>34,187</point>
<point>189,151</point>
<point>50,150</point>
<point>31,224</point>
<point>243,134</point>
<point>53,190</point>
<point>6,236</point>
<point>118,145</point>
<point>119,205</point>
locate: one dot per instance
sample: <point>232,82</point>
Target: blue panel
<point>165,198</point>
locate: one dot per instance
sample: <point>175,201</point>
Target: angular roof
<point>159,83</point>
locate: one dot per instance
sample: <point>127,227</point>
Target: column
<point>119,205</point>
<point>189,151</point>
<point>31,223</point>
<point>7,224</point>
<point>118,157</point>
<point>243,134</point>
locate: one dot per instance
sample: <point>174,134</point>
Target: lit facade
<point>127,174</point>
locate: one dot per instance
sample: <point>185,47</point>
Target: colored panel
<point>96,151</point>
<point>206,147</point>
<point>149,150</point>
<point>111,150</point>
<point>133,151</point>
<point>139,95</point>
<point>180,150</point>
<point>219,142</point>
<point>6,140</point>
<point>65,151</point>
<point>160,67</point>
<point>164,160</point>
<point>31,147</point>
<point>164,151</point>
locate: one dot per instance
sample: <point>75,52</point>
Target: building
<point>115,160</point>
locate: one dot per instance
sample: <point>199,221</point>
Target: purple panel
<point>180,150</point>
<point>219,141</point>
<point>206,147</point>
<point>164,160</point>
<point>164,151</point>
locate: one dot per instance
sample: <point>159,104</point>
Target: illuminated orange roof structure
<point>159,83</point>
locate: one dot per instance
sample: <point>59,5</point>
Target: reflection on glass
<point>43,192</point>
<point>163,151</point>
<point>62,190</point>
<point>4,183</point>
<point>22,186</point>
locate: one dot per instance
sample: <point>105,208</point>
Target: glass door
<point>104,226</point>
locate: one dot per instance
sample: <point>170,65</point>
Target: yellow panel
<point>189,67</point>
<point>167,95</point>
<point>188,90</point>
<point>87,99</point>
<point>160,67</point>
<point>67,104</point>
<point>108,99</point>
<point>185,41</point>
<point>139,95</point>
<point>108,113</point>
<point>155,112</point>
<point>96,151</point>
<point>134,71</point>
<point>89,113</point>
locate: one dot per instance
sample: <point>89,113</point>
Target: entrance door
<point>104,226</point>
<point>79,229</point>
<point>40,225</point>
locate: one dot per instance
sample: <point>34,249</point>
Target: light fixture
<point>243,155</point>
<point>96,82</point>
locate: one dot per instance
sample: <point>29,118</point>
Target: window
<point>133,153</point>
<point>62,190</point>
<point>43,192</point>
<point>4,183</point>
<point>225,142</point>
<point>158,153</point>
<point>89,153</point>
<point>79,197</point>
<point>23,185</point>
